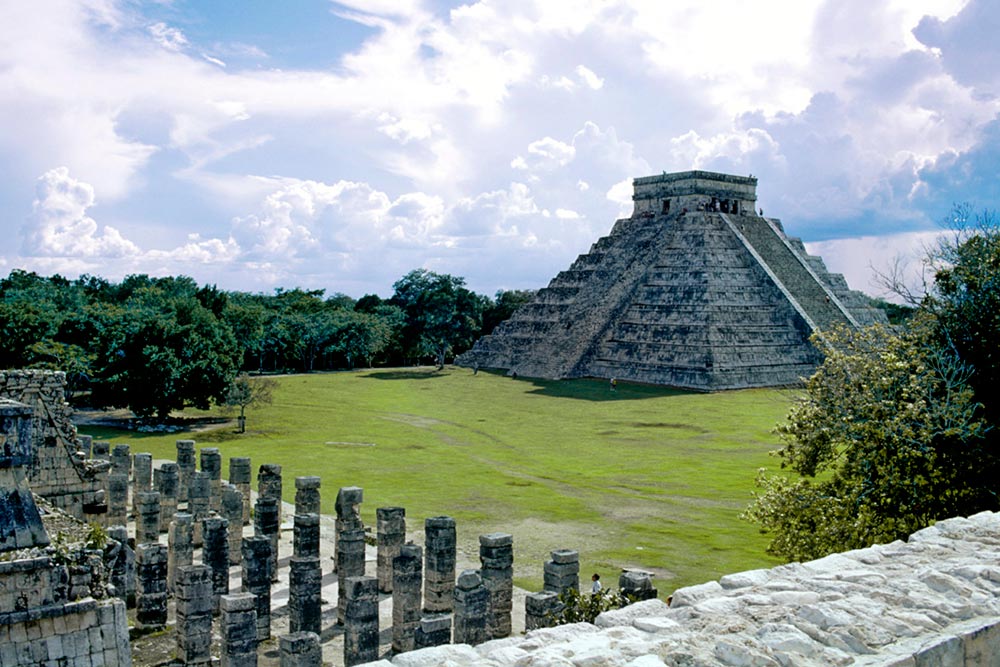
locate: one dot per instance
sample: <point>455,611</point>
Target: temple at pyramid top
<point>696,289</point>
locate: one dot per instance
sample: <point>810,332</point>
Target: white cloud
<point>169,38</point>
<point>60,227</point>
<point>592,81</point>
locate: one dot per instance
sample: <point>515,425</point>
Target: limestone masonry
<point>694,290</point>
<point>933,601</point>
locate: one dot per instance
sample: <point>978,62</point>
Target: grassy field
<point>642,476</point>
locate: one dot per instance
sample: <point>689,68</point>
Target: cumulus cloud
<point>967,44</point>
<point>60,227</point>
<point>61,236</point>
<point>444,136</point>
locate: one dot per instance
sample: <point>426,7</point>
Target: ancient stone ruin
<point>53,611</point>
<point>933,600</point>
<point>696,289</point>
<point>60,468</point>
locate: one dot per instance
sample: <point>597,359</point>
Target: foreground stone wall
<point>38,626</point>
<point>931,601</point>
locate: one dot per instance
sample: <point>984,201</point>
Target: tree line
<point>155,345</point>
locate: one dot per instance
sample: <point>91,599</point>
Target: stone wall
<point>38,626</point>
<point>933,601</point>
<point>56,472</point>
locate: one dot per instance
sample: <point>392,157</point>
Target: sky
<point>339,145</point>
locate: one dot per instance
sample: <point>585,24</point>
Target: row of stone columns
<point>471,608</point>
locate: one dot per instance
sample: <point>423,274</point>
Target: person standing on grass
<point>596,586</point>
<point>614,384</point>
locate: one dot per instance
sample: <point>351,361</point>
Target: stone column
<point>361,621</point>
<point>301,649</point>
<point>194,615</point>
<point>117,499</point>
<point>538,607</point>
<point>151,586</point>
<point>307,495</point>
<point>305,577</point>
<point>496,553</point>
<point>563,571</point>
<point>101,450</point>
<point>185,467</point>
<point>439,568</point>
<point>122,567</point>
<point>350,542</point>
<point>180,543</point>
<point>211,463</point>
<point>269,484</point>
<point>305,538</point>
<point>215,554</point>
<point>305,584</point>
<point>142,477</point>
<point>266,524</point>
<point>165,480</point>
<point>232,512</point>
<point>239,630</point>
<point>239,476</point>
<point>199,495</point>
<point>121,462</point>
<point>472,605</point>
<point>256,579</point>
<point>434,630</point>
<point>637,584</point>
<point>147,518</point>
<point>407,579</point>
<point>391,533</point>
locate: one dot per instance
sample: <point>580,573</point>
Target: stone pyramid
<point>694,290</point>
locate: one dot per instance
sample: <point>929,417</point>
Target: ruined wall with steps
<point>699,299</point>
<point>57,471</point>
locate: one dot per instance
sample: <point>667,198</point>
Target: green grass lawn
<point>640,477</point>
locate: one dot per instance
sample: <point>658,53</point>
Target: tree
<point>898,428</point>
<point>245,391</point>
<point>160,352</point>
<point>965,300</point>
<point>359,336</point>
<point>441,314</point>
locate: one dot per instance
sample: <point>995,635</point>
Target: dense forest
<point>160,344</point>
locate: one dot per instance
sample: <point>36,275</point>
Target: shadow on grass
<point>207,428</point>
<point>600,390</point>
<point>408,374</point>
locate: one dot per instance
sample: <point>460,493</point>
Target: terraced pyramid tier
<point>694,290</point>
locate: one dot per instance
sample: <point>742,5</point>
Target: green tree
<point>359,336</point>
<point>887,438</point>
<point>442,315</point>
<point>162,351</point>
<point>965,301</point>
